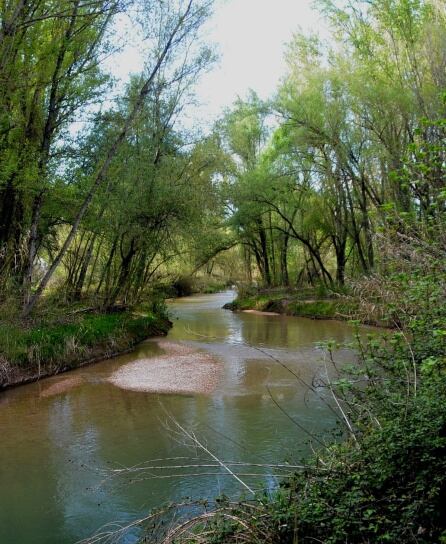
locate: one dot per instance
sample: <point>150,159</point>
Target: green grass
<point>290,303</point>
<point>318,309</point>
<point>50,346</point>
<point>260,302</point>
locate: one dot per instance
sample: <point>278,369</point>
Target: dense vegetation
<point>356,150</point>
<point>96,208</point>
<point>385,480</point>
<point>336,184</point>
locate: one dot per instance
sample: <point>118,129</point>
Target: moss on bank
<point>35,350</point>
<point>302,304</point>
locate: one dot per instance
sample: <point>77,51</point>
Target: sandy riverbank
<point>181,369</point>
<point>259,312</point>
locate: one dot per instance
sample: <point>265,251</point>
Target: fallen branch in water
<point>200,445</point>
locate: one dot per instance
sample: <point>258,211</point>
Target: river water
<point>67,443</point>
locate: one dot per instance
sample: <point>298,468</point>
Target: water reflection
<point>63,438</point>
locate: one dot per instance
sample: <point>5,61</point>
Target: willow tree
<point>354,120</point>
<point>244,134</point>
<point>176,24</point>
<point>49,57</point>
<point>355,110</point>
<point>394,65</point>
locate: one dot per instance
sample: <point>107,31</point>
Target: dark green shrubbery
<point>188,285</point>
<point>389,488</point>
<point>183,286</point>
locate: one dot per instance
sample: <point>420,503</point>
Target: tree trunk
<point>103,170</point>
<point>285,280</point>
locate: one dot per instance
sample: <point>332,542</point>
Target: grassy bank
<point>303,303</point>
<point>29,351</point>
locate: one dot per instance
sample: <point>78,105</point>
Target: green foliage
<point>361,134</point>
<point>318,309</point>
<point>127,192</point>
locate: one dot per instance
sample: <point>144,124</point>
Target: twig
<point>195,440</point>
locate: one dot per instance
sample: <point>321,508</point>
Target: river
<point>66,443</point>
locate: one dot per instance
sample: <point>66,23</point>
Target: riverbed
<point>107,443</point>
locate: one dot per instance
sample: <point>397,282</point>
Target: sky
<point>250,37</point>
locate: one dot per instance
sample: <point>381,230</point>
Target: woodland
<point>334,187</point>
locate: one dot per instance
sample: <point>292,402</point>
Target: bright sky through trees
<point>250,37</point>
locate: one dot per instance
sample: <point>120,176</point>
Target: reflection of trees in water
<point>283,331</point>
<point>78,434</point>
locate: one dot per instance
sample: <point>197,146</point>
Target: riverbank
<point>32,351</point>
<point>302,303</point>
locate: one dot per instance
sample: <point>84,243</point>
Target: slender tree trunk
<point>32,247</point>
<point>285,280</point>
<point>93,267</point>
<point>264,253</point>
<point>340,247</point>
<point>103,170</point>
<point>123,274</point>
<point>273,250</point>
<point>107,267</point>
<point>77,295</point>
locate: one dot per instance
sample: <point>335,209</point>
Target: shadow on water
<point>65,440</point>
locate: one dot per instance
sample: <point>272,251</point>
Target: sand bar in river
<point>182,369</point>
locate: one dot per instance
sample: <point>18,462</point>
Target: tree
<point>178,29</point>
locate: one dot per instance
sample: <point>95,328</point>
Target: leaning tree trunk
<point>103,170</point>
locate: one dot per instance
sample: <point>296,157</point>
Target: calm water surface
<point>64,441</point>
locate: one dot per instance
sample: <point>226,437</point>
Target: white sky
<point>250,37</point>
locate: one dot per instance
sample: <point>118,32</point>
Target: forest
<point>329,198</point>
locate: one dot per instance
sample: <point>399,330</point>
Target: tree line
<point>352,146</point>
<point>350,150</point>
<point>102,207</point>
